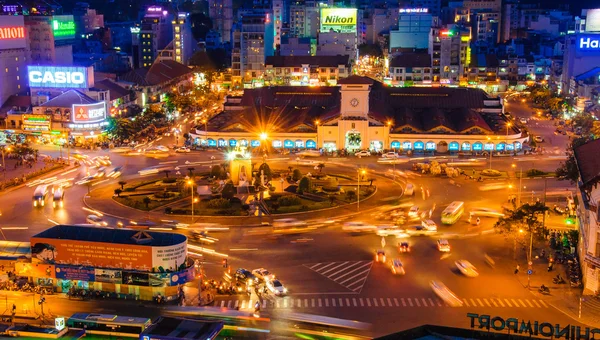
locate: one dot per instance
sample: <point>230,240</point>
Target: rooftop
<point>67,99</point>
<point>412,60</point>
<point>588,162</point>
<point>115,90</point>
<point>118,236</point>
<point>160,72</point>
<point>318,61</point>
<point>358,80</point>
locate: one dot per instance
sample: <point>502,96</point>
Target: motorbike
<point>558,280</point>
<point>544,290</point>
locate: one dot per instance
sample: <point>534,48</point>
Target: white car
<point>429,225</point>
<point>413,211</point>
<point>96,220</point>
<point>466,268</point>
<point>276,287</point>
<point>182,149</point>
<point>523,120</point>
<point>445,294</point>
<point>309,153</point>
<point>538,139</point>
<point>358,227</point>
<point>443,246</point>
<point>485,212</point>
<point>263,274</point>
<point>390,154</point>
<point>362,153</point>
<point>388,230</point>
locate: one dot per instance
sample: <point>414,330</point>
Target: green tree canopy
<point>526,218</point>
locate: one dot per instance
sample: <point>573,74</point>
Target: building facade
<point>154,35</point>
<point>221,13</point>
<point>14,56</point>
<point>450,53</point>
<point>306,70</point>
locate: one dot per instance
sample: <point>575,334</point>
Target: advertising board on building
<point>36,122</point>
<point>59,77</point>
<point>587,44</point>
<point>63,27</point>
<point>108,275</point>
<point>75,273</point>
<point>12,32</point>
<point>592,20</point>
<point>89,113</point>
<point>28,269</point>
<point>342,20</point>
<point>107,255</point>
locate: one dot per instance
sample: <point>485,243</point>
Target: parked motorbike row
<point>24,287</point>
<point>574,272</point>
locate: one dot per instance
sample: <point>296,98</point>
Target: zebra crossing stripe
<point>494,303</point>
<point>543,304</point>
<point>403,302</point>
<point>354,301</point>
<point>348,302</point>
<point>515,302</point>
<point>487,303</point>
<point>410,302</point>
<point>500,302</point>
<point>424,302</point>
<point>375,302</point>
<point>396,302</point>
<point>389,302</point>
<point>361,302</point>
<point>438,302</point>
<point>466,303</point>
<point>382,302</point>
<point>507,302</point>
<point>529,303</point>
<point>320,303</point>
<point>222,303</point>
<point>341,302</point>
<point>535,302</point>
<point>312,302</point>
<point>431,302</point>
<point>473,303</point>
<point>417,301</point>
<point>368,302</point>
<point>521,302</point>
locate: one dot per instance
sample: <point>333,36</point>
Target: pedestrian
<point>478,221</point>
<point>517,269</point>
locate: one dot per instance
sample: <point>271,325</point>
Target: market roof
<point>179,328</point>
<point>412,60</point>
<point>14,250</point>
<point>317,61</point>
<point>588,162</point>
<point>20,102</point>
<point>119,236</point>
<point>69,98</point>
<point>354,79</point>
<point>115,90</point>
<point>160,72</point>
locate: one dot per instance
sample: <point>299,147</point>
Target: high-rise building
<point>86,19</point>
<point>413,30</point>
<point>278,14</point>
<point>183,41</point>
<point>450,52</point>
<point>338,32</point>
<point>155,34</point>
<point>221,14</point>
<point>51,38</point>
<point>14,56</point>
<point>253,39</point>
<point>486,26</point>
<point>434,7</point>
<point>304,17</point>
<point>580,56</point>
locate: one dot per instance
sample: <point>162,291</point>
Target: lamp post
<point>529,260</point>
<point>191,184</point>
<point>4,149</point>
<point>514,166</point>
<point>360,172</point>
<point>317,126</point>
<point>491,152</point>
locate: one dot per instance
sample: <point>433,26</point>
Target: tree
<point>350,195</point>
<point>331,199</point>
<point>118,192</point>
<point>228,191</point>
<point>321,166</point>
<point>275,206</point>
<point>266,170</point>
<point>303,185</point>
<point>147,201</point>
<point>166,172</point>
<point>191,171</point>
<point>122,184</point>
<point>568,169</point>
<point>526,218</point>
<point>296,175</point>
<point>215,171</point>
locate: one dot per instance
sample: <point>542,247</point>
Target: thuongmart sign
<point>341,20</point>
<point>36,122</point>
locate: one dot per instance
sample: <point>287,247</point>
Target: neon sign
<point>63,27</point>
<point>89,113</point>
<point>414,10</point>
<point>12,33</point>
<point>57,76</point>
<point>588,42</point>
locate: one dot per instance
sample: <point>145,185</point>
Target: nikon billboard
<point>342,20</point>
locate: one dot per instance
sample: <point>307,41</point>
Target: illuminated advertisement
<point>58,77</point>
<point>36,122</point>
<point>89,113</point>
<point>342,20</point>
<point>63,27</point>
<point>414,10</point>
<point>107,255</point>
<point>587,43</point>
<point>12,32</point>
<point>592,20</point>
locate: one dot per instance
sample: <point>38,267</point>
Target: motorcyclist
<point>544,288</point>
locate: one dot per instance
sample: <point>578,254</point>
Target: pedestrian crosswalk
<point>390,302</point>
<point>349,274</point>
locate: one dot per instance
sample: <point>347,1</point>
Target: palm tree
<point>118,192</point>
<point>122,184</point>
<point>167,172</point>
<point>191,170</point>
<point>147,201</point>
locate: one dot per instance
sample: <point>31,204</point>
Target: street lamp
<point>190,182</point>
<point>317,122</point>
<point>507,126</point>
<point>4,149</point>
<point>514,166</point>
<point>360,172</point>
<point>491,152</point>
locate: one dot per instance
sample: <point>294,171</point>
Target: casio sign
<point>57,77</point>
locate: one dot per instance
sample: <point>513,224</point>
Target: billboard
<point>63,27</point>
<point>75,273</point>
<point>341,20</point>
<point>588,43</point>
<point>89,113</point>
<point>58,77</point>
<point>12,32</point>
<point>36,122</point>
<point>592,20</point>
<point>107,255</point>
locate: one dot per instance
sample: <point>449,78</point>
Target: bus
<point>58,198</point>
<point>111,325</point>
<point>39,195</point>
<point>310,326</point>
<point>453,212</point>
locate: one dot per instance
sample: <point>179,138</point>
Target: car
<point>466,268</point>
<point>182,149</point>
<point>309,153</point>
<point>358,227</point>
<point>388,230</point>
<point>523,120</point>
<point>443,245</point>
<point>397,267</point>
<point>429,225</point>
<point>363,153</point>
<point>245,276</point>
<point>390,154</point>
<point>404,247</point>
<point>418,230</point>
<point>96,220</point>
<point>276,287</point>
<point>116,172</point>
<point>409,190</point>
<point>380,256</point>
<point>263,274</point>
<point>445,294</point>
<point>538,139</point>
<point>413,211</point>
<point>485,212</point>
<point>86,179</point>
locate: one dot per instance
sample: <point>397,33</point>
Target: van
<point>58,198</point>
<point>409,190</point>
<point>39,195</point>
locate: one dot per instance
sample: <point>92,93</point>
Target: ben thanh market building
<point>363,114</point>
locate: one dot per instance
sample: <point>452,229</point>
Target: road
<point>332,273</point>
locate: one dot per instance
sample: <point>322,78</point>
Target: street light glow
<point>263,136</point>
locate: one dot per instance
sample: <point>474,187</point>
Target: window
<point>18,78</point>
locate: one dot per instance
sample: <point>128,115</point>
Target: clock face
<point>354,102</point>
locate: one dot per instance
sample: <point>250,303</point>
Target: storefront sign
<point>63,27</point>
<point>341,20</point>
<point>12,32</point>
<point>89,113</point>
<point>159,279</point>
<point>535,328</point>
<point>183,276</point>
<point>592,20</point>
<point>61,77</point>
<point>588,43</point>
<point>36,122</point>
<point>75,273</point>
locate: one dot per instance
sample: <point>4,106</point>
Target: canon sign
<point>57,77</point>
